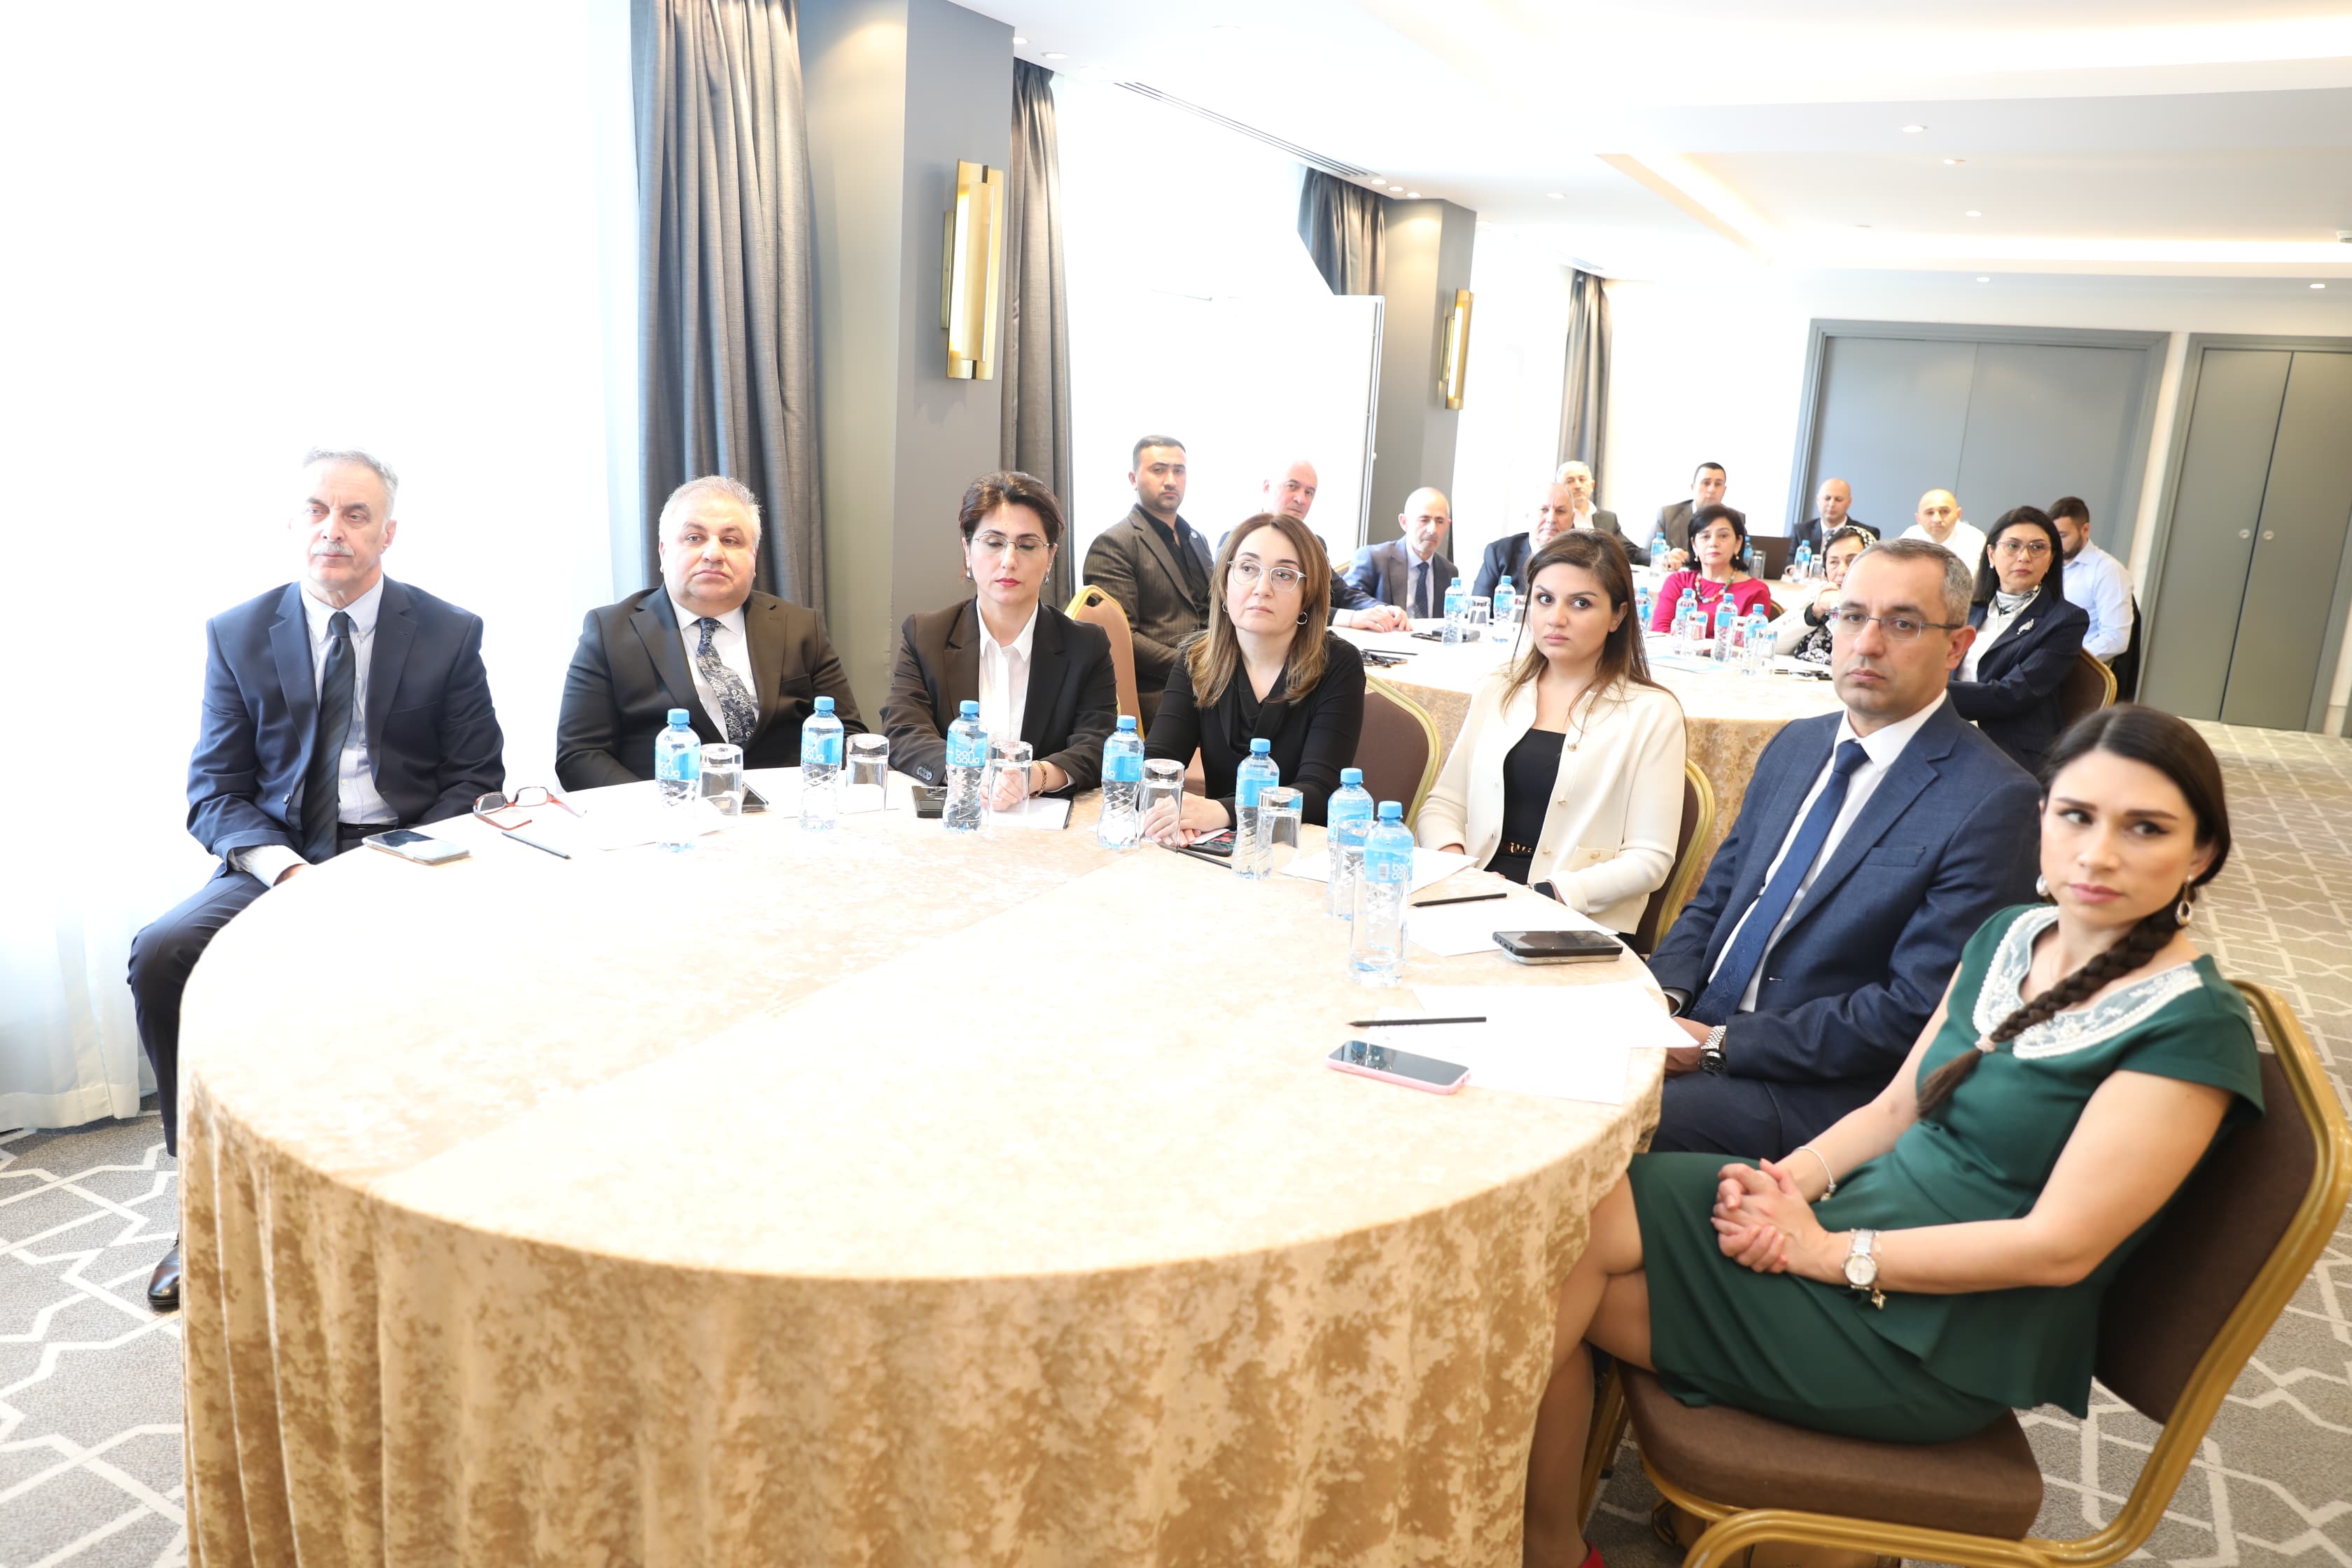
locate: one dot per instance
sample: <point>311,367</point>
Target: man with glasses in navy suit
<point>1870,847</point>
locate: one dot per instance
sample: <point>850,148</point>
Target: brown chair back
<point>1398,748</point>
<point>2089,687</point>
<point>1092,606</point>
<point>1690,842</point>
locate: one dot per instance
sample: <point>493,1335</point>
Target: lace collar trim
<point>2078,1028</point>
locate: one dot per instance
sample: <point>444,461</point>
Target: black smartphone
<point>930,800</point>
<point>1399,1066</point>
<point>1557,946</point>
<point>1546,888</point>
<point>753,801</point>
<point>1219,844</point>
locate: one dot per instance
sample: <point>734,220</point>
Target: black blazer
<point>1071,708</point>
<point>1508,556</point>
<point>1676,522</point>
<point>1313,738</point>
<point>2014,698</point>
<point>433,739</point>
<point>630,670</point>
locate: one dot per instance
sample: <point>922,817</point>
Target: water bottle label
<point>820,751</point>
<point>681,766</point>
<point>968,751</point>
<point>1123,769</point>
<point>1246,792</point>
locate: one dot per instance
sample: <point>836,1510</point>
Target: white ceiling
<point>2185,138</point>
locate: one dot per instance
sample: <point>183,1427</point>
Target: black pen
<point>1408,1023</point>
<point>1466,898</point>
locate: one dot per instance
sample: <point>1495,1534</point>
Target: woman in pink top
<point>1718,542</point>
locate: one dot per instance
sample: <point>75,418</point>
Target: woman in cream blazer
<point>1600,823</point>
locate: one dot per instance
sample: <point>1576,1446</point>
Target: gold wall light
<point>1453,369</point>
<point>972,272</point>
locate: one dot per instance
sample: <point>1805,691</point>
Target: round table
<point>888,1196</point>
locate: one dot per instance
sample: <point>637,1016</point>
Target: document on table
<point>1451,930</point>
<point>1569,1042</point>
<point>783,788</point>
<point>1428,865</point>
<point>1040,811</point>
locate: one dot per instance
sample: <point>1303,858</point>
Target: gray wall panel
<point>2298,550</point>
<point>1893,414</point>
<point>2047,420</point>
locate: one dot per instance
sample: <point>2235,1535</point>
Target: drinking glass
<point>1482,616</point>
<point>722,782</point>
<point>1163,781</point>
<point>1008,759</point>
<point>866,787</point>
<point>1280,812</point>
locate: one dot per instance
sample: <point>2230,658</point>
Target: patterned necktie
<point>322,805</point>
<point>1720,1000</point>
<point>1421,589</point>
<point>738,714</point>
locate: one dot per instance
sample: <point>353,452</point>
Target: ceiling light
<point>1396,187</point>
<point>1055,55</point>
<point>1984,280</point>
<point>1972,213</point>
<point>1225,30</point>
<point>1019,42</point>
<point>2319,285</point>
<point>1557,195</point>
<point>1949,161</point>
<point>1913,130</point>
<point>1412,196</point>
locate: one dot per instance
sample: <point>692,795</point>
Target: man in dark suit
<point>747,666</point>
<point>1577,475</point>
<point>1156,566</point>
<point>1833,509</point>
<point>1555,509</point>
<point>1707,481</point>
<point>1410,573</point>
<point>340,705</point>
<point>1870,848</point>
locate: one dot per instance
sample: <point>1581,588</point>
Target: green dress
<point>1933,1368</point>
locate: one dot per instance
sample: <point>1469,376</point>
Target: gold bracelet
<point>1816,1153</point>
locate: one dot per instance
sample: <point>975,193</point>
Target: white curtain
<point>408,228</point>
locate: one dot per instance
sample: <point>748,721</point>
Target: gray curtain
<point>1346,228</point>
<point>1035,356</point>
<point>727,345</point>
<point>1584,401</point>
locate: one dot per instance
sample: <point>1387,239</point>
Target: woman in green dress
<point>1938,1256</point>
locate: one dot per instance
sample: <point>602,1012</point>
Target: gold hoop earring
<point>2184,909</point>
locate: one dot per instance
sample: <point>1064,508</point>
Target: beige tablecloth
<point>883,1198</point>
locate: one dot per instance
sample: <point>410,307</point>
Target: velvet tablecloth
<point>884,1196</point>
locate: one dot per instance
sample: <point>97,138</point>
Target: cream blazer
<point>1608,839</point>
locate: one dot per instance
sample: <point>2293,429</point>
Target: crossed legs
<point>1605,1302</point>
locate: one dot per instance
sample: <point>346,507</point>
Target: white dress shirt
<point>1968,542</point>
<point>733,648</point>
<point>1882,749</point>
<point>2000,615</point>
<point>1004,680</point>
<point>2097,580</point>
<point>355,774</point>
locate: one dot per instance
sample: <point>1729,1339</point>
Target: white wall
<point>1509,434</point>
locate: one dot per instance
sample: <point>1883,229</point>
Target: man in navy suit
<point>1555,509</point>
<point>1870,848</point>
<point>1410,573</point>
<point>340,705</point>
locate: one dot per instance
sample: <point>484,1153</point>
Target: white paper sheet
<point>783,788</point>
<point>1624,1010</point>
<point>1513,1053</point>
<point>1044,811</point>
<point>1451,930</point>
<point>1428,865</point>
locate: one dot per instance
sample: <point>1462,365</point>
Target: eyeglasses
<point>1898,628</point>
<point>2026,547</point>
<point>1282,576</point>
<point>1028,546</point>
<point>523,799</point>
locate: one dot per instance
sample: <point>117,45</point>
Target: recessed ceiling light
<point>1949,161</point>
<point>1913,130</point>
<point>1396,187</point>
<point>1412,196</point>
<point>1984,280</point>
<point>1972,213</point>
<point>1055,55</point>
<point>1019,42</point>
<point>1861,225</point>
<point>1557,195</point>
<point>2319,285</point>
<point>1226,29</point>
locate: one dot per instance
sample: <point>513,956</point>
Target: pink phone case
<point>1393,1077</point>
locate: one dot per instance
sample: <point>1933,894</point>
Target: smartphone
<point>930,800</point>
<point>1219,844</point>
<point>1546,890</point>
<point>1559,946</point>
<point>411,845</point>
<point>754,800</point>
<point>1369,1060</point>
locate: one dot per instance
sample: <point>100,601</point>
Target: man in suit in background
<point>1833,509</point>
<point>1871,845</point>
<point>1554,509</point>
<point>1577,476</point>
<point>1939,520</point>
<point>1410,573</point>
<point>1707,482</point>
<point>2095,580</point>
<point>1156,566</point>
<point>339,705</point>
<point>1291,493</point>
<point>747,667</point>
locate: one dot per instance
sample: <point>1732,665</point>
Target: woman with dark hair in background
<point>1939,1254</point>
<point>1037,675</point>
<point>1266,667</point>
<point>1718,542</point>
<point>2027,637</point>
<point>1569,767</point>
<point>1803,630</point>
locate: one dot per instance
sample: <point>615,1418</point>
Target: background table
<point>884,1196</point>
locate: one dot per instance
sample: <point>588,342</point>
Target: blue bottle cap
<point>1391,811</point>
<point>825,705</point>
<point>1457,580</point>
<point>1260,745</point>
<point>1351,776</point>
<point>1126,722</point>
<point>679,718</point>
<point>1506,581</point>
<point>971,709</point>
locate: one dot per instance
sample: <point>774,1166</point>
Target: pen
<point>535,844</point>
<point>1466,898</point>
<point>1408,1023</point>
<point>1203,855</point>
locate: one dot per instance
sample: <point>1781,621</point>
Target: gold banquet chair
<point>2088,686</point>
<point>1690,863</point>
<point>1092,605</point>
<point>2179,1324</point>
<point>1398,749</point>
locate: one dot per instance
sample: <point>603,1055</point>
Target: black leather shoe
<point>163,1285</point>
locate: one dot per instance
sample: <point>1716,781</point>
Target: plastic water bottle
<point>1507,604</point>
<point>1457,610</point>
<point>1658,548</point>
<point>1801,567</point>
<point>1121,826</point>
<point>1376,947</point>
<point>1686,619</point>
<point>1642,600</point>
<point>677,775</point>
<point>1346,819</point>
<point>1759,642</point>
<point>1252,855</point>
<point>820,768</point>
<point>967,767</point>
<point>1727,629</point>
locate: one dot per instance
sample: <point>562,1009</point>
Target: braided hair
<point>2171,747</point>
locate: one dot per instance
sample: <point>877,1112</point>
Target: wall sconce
<point>1454,368</point>
<point>972,272</point>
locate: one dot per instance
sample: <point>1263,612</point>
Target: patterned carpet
<point>90,1390</point>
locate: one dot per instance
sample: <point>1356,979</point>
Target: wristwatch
<point>1710,1050</point>
<point>1862,1266</point>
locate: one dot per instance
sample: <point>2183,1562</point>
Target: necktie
<point>321,783</point>
<point>738,714</point>
<point>1717,1003</point>
<point>1421,589</point>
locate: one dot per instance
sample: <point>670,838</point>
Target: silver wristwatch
<point>1862,1266</point>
